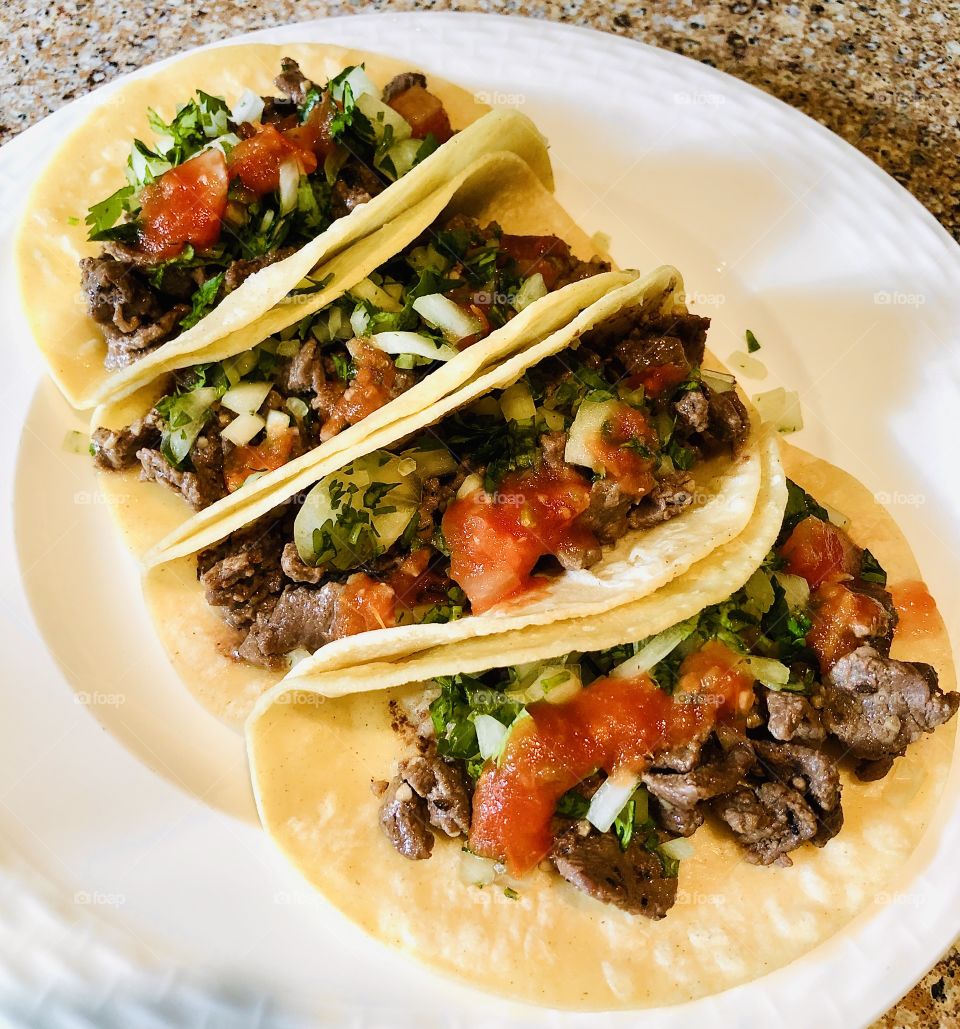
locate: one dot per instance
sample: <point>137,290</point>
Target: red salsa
<point>614,724</point>
<point>496,540</point>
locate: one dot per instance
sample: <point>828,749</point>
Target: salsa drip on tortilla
<point>222,192</point>
<point>587,447</point>
<point>226,421</point>
<point>598,766</point>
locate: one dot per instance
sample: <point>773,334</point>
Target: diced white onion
<point>759,592</point>
<point>440,312</point>
<point>246,397</point>
<point>242,429</point>
<point>490,734</point>
<point>553,420</point>
<point>476,871</point>
<point>412,343</point>
<point>781,408</point>
<point>747,365</point>
<point>610,799</point>
<point>719,382</point>
<point>432,462</point>
<point>678,849</point>
<point>297,407</point>
<point>76,442</point>
<point>469,485</point>
<point>359,321</point>
<point>837,518</point>
<point>367,289</point>
<point>380,116</point>
<point>554,683</point>
<point>289,183</point>
<point>532,290</point>
<point>277,423</point>
<point>359,83</point>
<point>767,670</point>
<point>653,652</point>
<point>516,403</point>
<point>796,590</point>
<point>249,107</point>
<point>399,159</point>
<point>586,430</point>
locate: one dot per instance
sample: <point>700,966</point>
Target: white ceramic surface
<point>134,886</point>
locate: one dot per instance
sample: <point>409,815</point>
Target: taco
<point>393,324</point>
<point>587,469</point>
<point>647,808</point>
<point>207,198</point>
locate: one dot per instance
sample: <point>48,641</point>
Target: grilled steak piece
<point>670,497</point>
<point>878,706</point>
<point>791,716</point>
<point>129,312</point>
<point>693,412</point>
<point>401,83</point>
<point>679,796</point>
<point>242,574</point>
<point>632,880</point>
<point>116,449</point>
<point>292,82</point>
<point>357,184</point>
<point>768,821</point>
<point>444,787</point>
<point>239,271</point>
<point>301,618</point>
<point>728,421</point>
<point>811,773</point>
<point>719,774</point>
<point>295,569</point>
<point>427,791</point>
<point>403,818</point>
<point>201,486</point>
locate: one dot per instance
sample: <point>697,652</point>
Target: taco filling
<point>601,764</point>
<point>227,421</point>
<point>585,448</point>
<point>223,192</point>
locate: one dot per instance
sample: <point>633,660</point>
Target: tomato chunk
<point>185,205</point>
<point>842,620</point>
<point>659,378</point>
<point>314,135</point>
<point>424,112</point>
<point>495,541</point>
<point>820,552</point>
<point>256,161</point>
<point>546,255</point>
<point>916,609</point>
<point>613,724</point>
<point>273,452</point>
<point>625,447</point>
<point>364,605</point>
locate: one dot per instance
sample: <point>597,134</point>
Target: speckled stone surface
<point>885,76</point>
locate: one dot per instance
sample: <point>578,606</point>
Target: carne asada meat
<point>427,791</point>
<point>401,83</point>
<point>768,821</point>
<point>116,449</point>
<point>132,316</point>
<point>877,706</point>
<point>792,716</point>
<point>632,879</point>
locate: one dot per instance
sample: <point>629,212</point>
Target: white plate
<point>134,882</point>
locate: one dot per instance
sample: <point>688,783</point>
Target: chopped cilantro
<point>871,570</point>
<point>753,344</point>
<point>203,300</point>
<point>101,217</point>
<point>511,893</point>
<point>800,505</point>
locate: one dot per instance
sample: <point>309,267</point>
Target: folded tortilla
<point>199,644</point>
<point>318,739</point>
<point>496,187</point>
<point>89,165</point>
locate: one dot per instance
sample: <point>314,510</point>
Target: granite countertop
<point>885,76</point>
